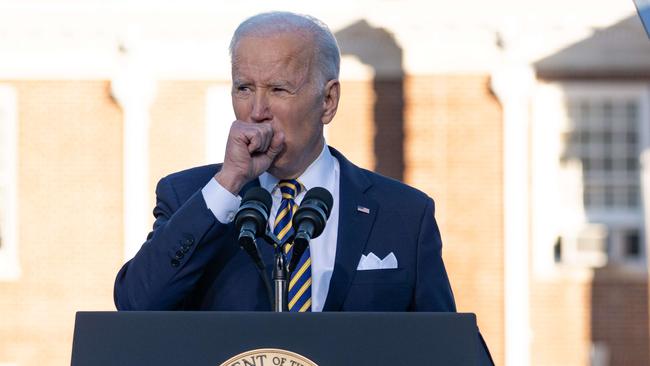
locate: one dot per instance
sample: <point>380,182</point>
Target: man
<point>285,89</point>
<point>381,248</point>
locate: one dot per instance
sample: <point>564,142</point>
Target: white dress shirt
<point>323,172</point>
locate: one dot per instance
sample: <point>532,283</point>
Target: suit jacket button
<point>185,248</point>
<point>187,241</point>
<point>179,255</point>
<point>175,263</point>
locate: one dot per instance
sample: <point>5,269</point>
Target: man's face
<point>274,81</point>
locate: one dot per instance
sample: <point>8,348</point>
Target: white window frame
<point>552,213</point>
<point>9,261</point>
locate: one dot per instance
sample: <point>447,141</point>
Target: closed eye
<point>280,90</point>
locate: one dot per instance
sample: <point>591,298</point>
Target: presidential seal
<point>269,357</point>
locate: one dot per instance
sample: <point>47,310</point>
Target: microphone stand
<point>280,273</point>
<point>280,278</point>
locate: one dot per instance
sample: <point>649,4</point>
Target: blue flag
<point>643,8</point>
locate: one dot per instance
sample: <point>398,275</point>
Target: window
<point>587,178</point>
<point>603,138</point>
<point>9,265</point>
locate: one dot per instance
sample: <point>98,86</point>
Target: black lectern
<point>274,339</point>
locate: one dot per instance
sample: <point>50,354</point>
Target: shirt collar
<point>318,174</point>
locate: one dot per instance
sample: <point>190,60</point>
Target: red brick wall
<point>177,129</point>
<point>454,153</point>
<point>570,311</point>
<point>70,216</point>
<point>619,317</point>
<point>560,320</point>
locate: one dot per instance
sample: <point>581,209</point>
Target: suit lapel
<point>353,232</point>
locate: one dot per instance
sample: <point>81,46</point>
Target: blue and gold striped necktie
<point>299,296</point>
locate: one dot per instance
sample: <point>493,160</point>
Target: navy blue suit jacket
<point>191,261</point>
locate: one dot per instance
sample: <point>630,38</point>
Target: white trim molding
<point>9,260</point>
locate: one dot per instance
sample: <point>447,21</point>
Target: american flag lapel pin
<point>365,210</point>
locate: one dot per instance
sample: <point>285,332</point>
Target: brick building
<point>527,123</point>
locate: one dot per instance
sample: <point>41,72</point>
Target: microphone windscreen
<point>320,194</point>
<point>261,195</point>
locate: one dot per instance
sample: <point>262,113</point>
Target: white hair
<point>326,50</point>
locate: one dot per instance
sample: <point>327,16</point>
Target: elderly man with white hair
<point>381,248</point>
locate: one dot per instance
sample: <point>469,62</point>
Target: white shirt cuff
<point>220,201</point>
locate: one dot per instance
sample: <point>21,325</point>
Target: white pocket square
<point>371,261</point>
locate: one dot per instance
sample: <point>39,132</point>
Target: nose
<point>261,109</point>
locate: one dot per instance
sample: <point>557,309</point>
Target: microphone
<point>309,221</point>
<point>251,220</point>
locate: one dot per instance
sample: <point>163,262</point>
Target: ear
<point>331,94</point>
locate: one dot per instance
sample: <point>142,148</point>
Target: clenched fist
<point>250,150</point>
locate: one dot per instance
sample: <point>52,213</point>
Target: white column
<point>512,83</point>
<point>134,90</point>
<point>218,118</point>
